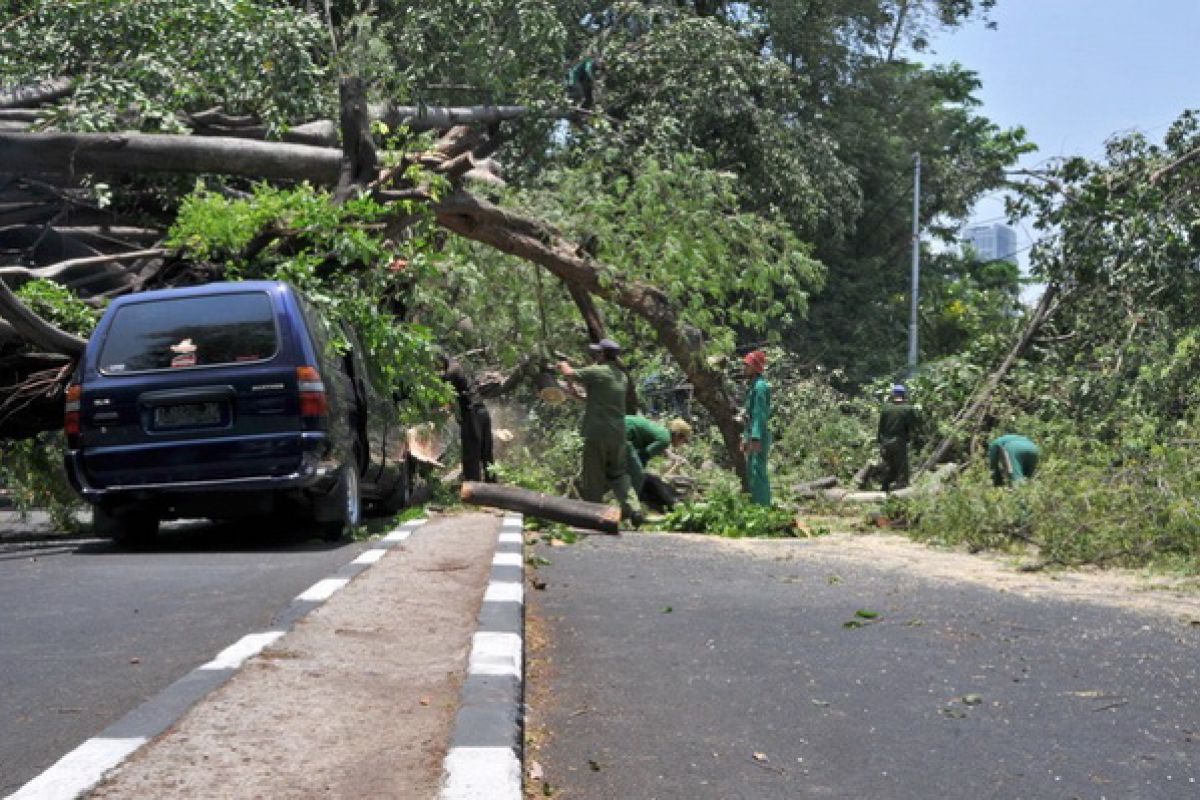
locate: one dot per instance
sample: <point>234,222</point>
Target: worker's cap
<point>756,359</point>
<point>607,345</point>
<point>679,428</point>
<point>899,388</point>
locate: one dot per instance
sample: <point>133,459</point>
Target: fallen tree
<point>456,153</point>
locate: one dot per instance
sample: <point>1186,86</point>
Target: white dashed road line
<point>83,767</point>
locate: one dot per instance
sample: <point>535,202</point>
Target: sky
<point>1075,72</point>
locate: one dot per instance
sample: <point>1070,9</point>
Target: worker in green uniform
<point>1013,459</point>
<point>897,425</point>
<point>604,451</point>
<point>645,439</point>
<point>756,441</point>
<point>581,81</point>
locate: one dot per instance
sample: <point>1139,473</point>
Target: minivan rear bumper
<point>298,461</point>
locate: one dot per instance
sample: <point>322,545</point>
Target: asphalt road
<point>88,632</point>
<point>680,668</point>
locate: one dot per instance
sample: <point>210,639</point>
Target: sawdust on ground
<point>359,700</point>
<point>1166,597</point>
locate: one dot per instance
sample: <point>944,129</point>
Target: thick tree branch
<point>36,329</point>
<point>440,118</point>
<point>535,241</point>
<point>35,95</point>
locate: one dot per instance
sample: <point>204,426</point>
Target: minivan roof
<point>205,289</point>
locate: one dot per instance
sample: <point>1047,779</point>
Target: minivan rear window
<point>190,332</point>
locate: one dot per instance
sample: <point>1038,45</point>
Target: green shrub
<point>59,306</point>
<point>728,512</point>
<point>32,470</point>
<point>1083,507</point>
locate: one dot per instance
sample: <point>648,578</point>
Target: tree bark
<point>594,516</point>
<point>124,153</point>
<point>30,96</point>
<point>440,118</point>
<point>360,166</point>
<point>77,270</point>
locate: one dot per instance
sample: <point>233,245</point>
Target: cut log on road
<point>594,516</point>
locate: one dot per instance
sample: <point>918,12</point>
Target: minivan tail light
<point>313,400</point>
<point>71,413</point>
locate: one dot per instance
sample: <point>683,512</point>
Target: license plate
<point>187,414</point>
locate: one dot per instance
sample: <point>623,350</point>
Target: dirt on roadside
<point>359,700</point>
<point>1166,597</point>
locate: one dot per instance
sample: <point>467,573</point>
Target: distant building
<point>993,242</point>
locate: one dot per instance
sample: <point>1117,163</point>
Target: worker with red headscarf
<point>756,441</point>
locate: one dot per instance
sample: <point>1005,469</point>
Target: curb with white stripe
<point>484,762</point>
<point>85,766</point>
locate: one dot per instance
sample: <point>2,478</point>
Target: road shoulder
<point>358,700</point>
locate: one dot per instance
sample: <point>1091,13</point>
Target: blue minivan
<point>230,400</point>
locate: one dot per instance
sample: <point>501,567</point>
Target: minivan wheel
<point>132,528</point>
<point>345,507</point>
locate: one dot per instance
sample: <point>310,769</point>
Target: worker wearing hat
<point>756,441</point>
<point>897,426</point>
<point>645,439</point>
<point>605,463</point>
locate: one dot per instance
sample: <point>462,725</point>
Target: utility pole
<point>916,266</point>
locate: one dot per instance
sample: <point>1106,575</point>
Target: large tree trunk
<point>440,118</point>
<point>360,165</point>
<point>124,153</point>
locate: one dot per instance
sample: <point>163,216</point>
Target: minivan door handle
<point>196,394</point>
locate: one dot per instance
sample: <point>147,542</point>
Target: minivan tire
<point>340,512</point>
<point>130,528</point>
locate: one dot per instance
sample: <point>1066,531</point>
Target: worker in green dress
<point>605,464</point>
<point>1013,459</point>
<point>645,439</point>
<point>897,425</point>
<point>756,441</point>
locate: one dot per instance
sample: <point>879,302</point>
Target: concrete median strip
<point>82,768</point>
<point>484,761</point>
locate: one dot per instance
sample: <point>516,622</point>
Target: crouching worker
<point>1013,459</point>
<point>644,440</point>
